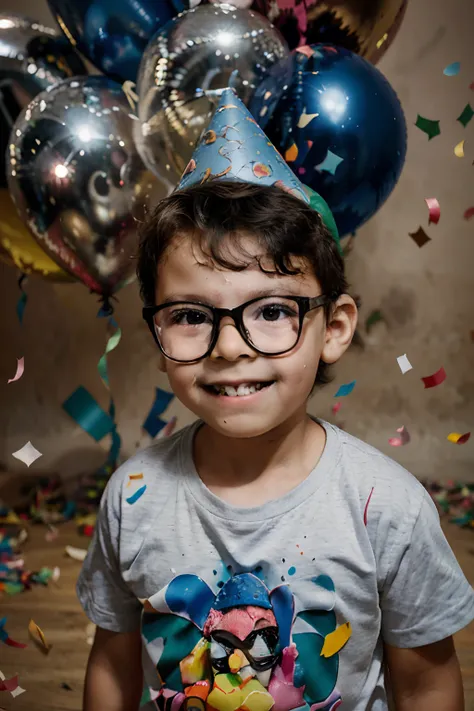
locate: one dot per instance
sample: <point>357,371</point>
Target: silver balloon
<point>206,48</point>
<point>77,180</point>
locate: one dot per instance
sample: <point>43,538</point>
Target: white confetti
<point>27,454</point>
<point>76,553</point>
<point>56,574</point>
<point>404,363</point>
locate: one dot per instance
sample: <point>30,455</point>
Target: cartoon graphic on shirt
<point>243,648</point>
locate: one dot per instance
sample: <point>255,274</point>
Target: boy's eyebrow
<point>254,294</point>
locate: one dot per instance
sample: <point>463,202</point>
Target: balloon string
<point>115,334</point>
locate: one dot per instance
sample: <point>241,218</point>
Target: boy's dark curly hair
<point>284,226</point>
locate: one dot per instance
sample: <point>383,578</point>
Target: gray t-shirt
<point>281,606</point>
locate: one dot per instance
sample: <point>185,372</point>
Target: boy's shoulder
<point>370,472</point>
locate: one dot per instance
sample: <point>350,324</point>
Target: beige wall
<point>425,294</point>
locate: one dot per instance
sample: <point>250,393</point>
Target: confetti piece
<point>51,534</point>
<point>134,477</point>
<point>402,440</point>
<point>431,128</point>
<point>65,686</point>
<point>27,454</point>
<point>9,684</point>
<point>56,574</point>
<point>335,641</point>
<point>6,639</point>
<point>305,119</point>
<point>458,438</point>
<point>291,154</point>
<point>76,553</point>
<point>138,494</point>
<point>469,213</point>
<point>346,389</point>
<point>17,690</point>
<point>330,163</point>
<point>88,414</point>
<point>437,378</point>
<point>420,237</point>
<point>20,368</point>
<point>367,506</point>
<point>153,423</point>
<point>459,149</point>
<point>471,86</point>
<point>37,635</point>
<point>372,319</point>
<point>466,115</point>
<point>452,70</point>
<point>335,408</point>
<point>404,363</point>
<point>435,210</point>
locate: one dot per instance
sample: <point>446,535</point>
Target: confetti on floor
<point>330,163</point>
<point>466,115</point>
<point>27,454</point>
<point>6,639</point>
<point>346,389</point>
<point>455,500</point>
<point>373,318</point>
<point>65,686</point>
<point>400,441</point>
<point>452,70</point>
<point>16,690</point>
<point>431,128</point>
<point>420,237</point>
<point>20,369</point>
<point>431,381</point>
<point>459,149</point>
<point>37,635</point>
<point>76,553</point>
<point>457,438</point>
<point>469,213</point>
<point>404,363</point>
<point>434,210</point>
<point>137,495</point>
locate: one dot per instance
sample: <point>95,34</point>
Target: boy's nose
<point>230,344</point>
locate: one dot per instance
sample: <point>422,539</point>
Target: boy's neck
<point>250,472</point>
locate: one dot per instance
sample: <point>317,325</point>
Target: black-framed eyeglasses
<point>187,331</point>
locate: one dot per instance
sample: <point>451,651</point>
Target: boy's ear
<point>340,329</point>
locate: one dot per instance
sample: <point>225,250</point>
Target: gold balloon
<point>366,27</point>
<point>18,248</point>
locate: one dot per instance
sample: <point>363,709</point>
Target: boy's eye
<point>189,317</point>
<point>274,310</point>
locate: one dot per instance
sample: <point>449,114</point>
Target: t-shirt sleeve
<point>426,596</point>
<point>102,592</point>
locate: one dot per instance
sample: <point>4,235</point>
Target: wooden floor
<point>56,610</point>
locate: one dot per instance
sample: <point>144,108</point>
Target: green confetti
<point>372,319</point>
<point>431,128</point>
<point>466,115</point>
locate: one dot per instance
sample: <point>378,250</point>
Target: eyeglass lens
<point>185,330</point>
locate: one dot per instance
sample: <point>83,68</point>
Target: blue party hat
<point>235,148</point>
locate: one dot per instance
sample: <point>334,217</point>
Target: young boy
<point>273,562</point>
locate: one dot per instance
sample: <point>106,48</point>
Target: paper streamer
<point>20,369</point>
<point>431,381</point>
<point>153,424</point>
<point>434,210</point>
<point>346,389</point>
<point>88,414</point>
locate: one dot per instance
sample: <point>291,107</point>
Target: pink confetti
<point>335,408</point>
<point>20,369</point>
<point>367,506</point>
<point>402,440</point>
<point>469,213</point>
<point>435,210</point>
<point>431,381</point>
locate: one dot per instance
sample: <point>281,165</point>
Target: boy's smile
<point>235,390</point>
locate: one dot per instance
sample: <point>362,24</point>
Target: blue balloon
<point>113,34</point>
<point>341,128</point>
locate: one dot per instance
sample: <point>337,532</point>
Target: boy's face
<point>186,274</point>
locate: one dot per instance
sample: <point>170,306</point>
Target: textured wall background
<point>426,296</point>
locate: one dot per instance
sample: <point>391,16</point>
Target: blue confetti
<point>452,69</point>
<point>345,389</point>
<point>330,163</point>
<point>153,423</point>
<point>84,410</point>
<point>134,497</point>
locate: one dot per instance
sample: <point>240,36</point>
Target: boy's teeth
<point>240,391</point>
